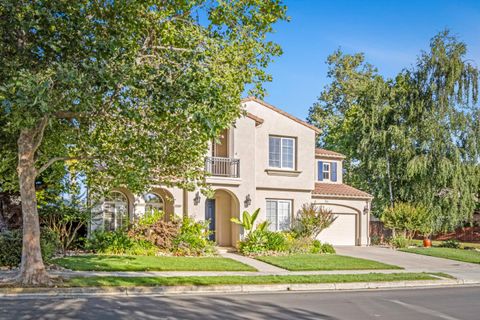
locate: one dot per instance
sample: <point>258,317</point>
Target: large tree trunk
<point>32,269</point>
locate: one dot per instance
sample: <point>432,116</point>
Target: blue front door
<point>210,215</point>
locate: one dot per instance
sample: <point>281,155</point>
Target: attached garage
<point>351,209</point>
<point>342,232</point>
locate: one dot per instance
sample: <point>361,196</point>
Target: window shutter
<point>334,171</point>
<point>320,170</point>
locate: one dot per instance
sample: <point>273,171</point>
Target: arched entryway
<point>219,210</point>
<point>167,201</point>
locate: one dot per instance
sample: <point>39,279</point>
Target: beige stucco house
<point>266,160</point>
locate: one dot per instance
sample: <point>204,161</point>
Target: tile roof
<point>339,190</point>
<point>263,103</point>
<point>328,153</point>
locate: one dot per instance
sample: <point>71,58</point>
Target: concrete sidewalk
<point>467,272</point>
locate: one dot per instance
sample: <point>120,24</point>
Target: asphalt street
<point>441,303</point>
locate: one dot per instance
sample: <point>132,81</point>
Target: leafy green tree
<point>413,138</point>
<point>409,219</point>
<point>129,91</point>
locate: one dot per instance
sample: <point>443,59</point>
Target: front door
<point>210,215</point>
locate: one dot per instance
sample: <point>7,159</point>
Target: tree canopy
<point>413,138</point>
<point>130,92</point>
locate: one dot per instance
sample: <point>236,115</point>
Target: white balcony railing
<point>222,167</point>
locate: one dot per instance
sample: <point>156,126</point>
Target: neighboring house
<point>266,160</point>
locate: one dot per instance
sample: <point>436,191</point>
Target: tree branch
<point>56,159</point>
<point>38,133</point>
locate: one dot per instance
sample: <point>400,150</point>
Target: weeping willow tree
<point>441,115</point>
<point>413,138</point>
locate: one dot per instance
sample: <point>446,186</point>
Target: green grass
<point>231,280</point>
<point>302,262</point>
<point>150,263</point>
<point>436,243</point>
<point>448,253</point>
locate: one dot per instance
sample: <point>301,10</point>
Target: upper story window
<point>326,171</point>
<point>281,152</point>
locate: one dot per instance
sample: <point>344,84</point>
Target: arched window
<point>115,211</point>
<point>153,202</point>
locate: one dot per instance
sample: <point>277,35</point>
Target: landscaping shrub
<point>328,248</point>
<point>263,241</point>
<point>118,242</point>
<point>248,222</point>
<point>300,245</point>
<point>311,220</point>
<point>152,234</point>
<point>254,243</point>
<point>149,219</point>
<point>452,243</point>
<point>11,246</point>
<point>192,238</point>
<point>375,240</point>
<point>399,242</point>
<point>409,219</point>
<point>157,231</point>
<point>50,243</point>
<point>276,241</point>
<point>66,219</point>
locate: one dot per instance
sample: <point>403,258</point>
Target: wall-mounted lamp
<point>365,209</point>
<point>248,201</point>
<point>196,199</point>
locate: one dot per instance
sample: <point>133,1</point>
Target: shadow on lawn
<point>96,262</point>
<point>194,307</point>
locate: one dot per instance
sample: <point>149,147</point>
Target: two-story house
<point>266,160</point>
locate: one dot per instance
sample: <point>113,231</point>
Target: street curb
<point>249,288</point>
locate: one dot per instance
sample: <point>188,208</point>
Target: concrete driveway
<point>415,262</point>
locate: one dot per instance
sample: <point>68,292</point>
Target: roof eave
<point>271,107</point>
<point>320,195</point>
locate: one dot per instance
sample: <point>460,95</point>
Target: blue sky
<point>390,33</point>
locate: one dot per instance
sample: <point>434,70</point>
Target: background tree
<point>410,139</point>
<point>131,90</point>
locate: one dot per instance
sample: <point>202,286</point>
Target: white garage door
<point>341,232</point>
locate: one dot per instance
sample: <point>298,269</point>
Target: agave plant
<point>248,222</point>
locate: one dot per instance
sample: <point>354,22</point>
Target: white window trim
<point>114,203</point>
<point>155,205</point>
<point>294,164</point>
<point>290,216</point>
<point>329,179</point>
<point>329,171</point>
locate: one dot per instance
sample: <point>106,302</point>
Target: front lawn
<point>472,256</point>
<point>232,280</point>
<point>303,262</point>
<point>150,263</point>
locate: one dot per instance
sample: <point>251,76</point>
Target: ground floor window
<point>153,202</point>
<point>279,213</point>
<point>115,211</point>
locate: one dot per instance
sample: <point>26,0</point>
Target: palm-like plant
<point>248,222</point>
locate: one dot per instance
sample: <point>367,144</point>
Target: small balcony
<point>222,167</point>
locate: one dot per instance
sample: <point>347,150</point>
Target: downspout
<point>185,203</point>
